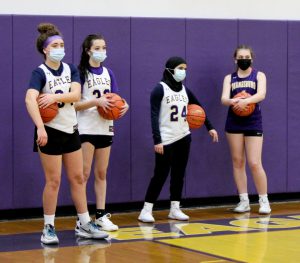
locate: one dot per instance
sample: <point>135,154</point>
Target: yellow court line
<point>273,247</point>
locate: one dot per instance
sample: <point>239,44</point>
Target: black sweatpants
<point>175,158</point>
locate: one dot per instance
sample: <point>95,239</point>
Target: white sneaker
<point>176,213</point>
<point>146,213</point>
<point>90,230</point>
<point>264,206</point>
<point>49,235</point>
<point>242,207</point>
<point>105,223</point>
<point>146,216</point>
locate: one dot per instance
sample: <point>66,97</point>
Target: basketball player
<point>172,138</point>
<point>245,134</point>
<point>96,133</point>
<point>58,140</point>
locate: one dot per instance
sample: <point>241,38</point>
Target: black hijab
<point>171,64</point>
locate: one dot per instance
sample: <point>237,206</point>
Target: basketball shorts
<point>247,133</point>
<point>99,141</point>
<point>58,142</point>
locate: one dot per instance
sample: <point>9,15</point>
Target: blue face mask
<point>179,74</point>
<point>57,54</point>
<point>98,56</point>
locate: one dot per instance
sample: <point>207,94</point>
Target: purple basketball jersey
<point>252,122</point>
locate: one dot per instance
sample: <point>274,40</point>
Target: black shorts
<point>58,142</point>
<point>247,133</point>
<point>99,141</point>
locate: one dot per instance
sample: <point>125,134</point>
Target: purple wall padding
<point>6,136</point>
<point>137,51</point>
<point>116,32</point>
<point>269,41</point>
<point>293,107</point>
<point>209,60</point>
<point>153,41</point>
<point>28,174</point>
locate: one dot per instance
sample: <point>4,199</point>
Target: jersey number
<point>61,104</point>
<point>97,93</point>
<point>174,113</point>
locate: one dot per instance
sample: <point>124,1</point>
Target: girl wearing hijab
<point>172,138</point>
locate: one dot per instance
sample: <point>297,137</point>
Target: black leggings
<point>175,158</point>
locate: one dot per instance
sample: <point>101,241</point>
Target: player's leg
<point>100,170</point>
<point>52,168</point>
<point>73,163</point>
<point>178,165</point>
<point>236,143</point>
<point>254,152</point>
<point>161,172</point>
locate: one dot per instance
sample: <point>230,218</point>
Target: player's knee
<point>53,183</point>
<point>254,165</point>
<point>238,162</point>
<point>78,179</point>
<point>100,174</point>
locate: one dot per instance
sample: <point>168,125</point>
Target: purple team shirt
<point>252,122</point>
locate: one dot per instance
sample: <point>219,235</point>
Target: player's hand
<point>124,109</point>
<point>104,102</point>
<point>159,148</point>
<point>234,101</point>
<point>241,105</point>
<point>45,100</point>
<point>213,133</point>
<point>42,136</point>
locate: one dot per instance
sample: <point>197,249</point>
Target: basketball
<point>49,113</point>
<point>248,110</point>
<point>195,116</point>
<point>114,112</point>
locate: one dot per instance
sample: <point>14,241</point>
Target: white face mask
<point>56,54</point>
<point>179,74</point>
<point>99,56</point>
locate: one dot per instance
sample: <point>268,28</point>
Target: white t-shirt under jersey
<point>65,120</point>
<point>89,120</point>
<point>172,116</point>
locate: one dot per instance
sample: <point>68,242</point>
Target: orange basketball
<point>249,109</point>
<point>49,113</point>
<point>195,116</point>
<point>114,112</point>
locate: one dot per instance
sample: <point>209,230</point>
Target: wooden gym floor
<point>213,235</point>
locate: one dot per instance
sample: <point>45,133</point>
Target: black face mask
<point>244,64</point>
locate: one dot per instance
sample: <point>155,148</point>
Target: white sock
<point>244,197</point>
<point>49,220</point>
<point>263,197</point>
<point>84,218</point>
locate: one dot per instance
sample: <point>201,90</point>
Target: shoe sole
<point>87,236</point>
<point>54,242</point>
<point>265,213</point>
<point>146,221</point>
<point>174,218</point>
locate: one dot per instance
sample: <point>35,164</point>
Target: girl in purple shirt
<point>245,134</point>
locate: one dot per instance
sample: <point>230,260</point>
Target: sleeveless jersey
<point>89,120</point>
<point>246,123</point>
<point>172,116</point>
<point>65,120</point>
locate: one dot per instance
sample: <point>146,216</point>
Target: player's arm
<point>155,102</point>
<point>225,98</point>
<point>33,110</point>
<point>261,89</point>
<point>211,130</point>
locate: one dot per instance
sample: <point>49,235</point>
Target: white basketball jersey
<point>172,116</point>
<point>89,120</point>
<point>65,120</point>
